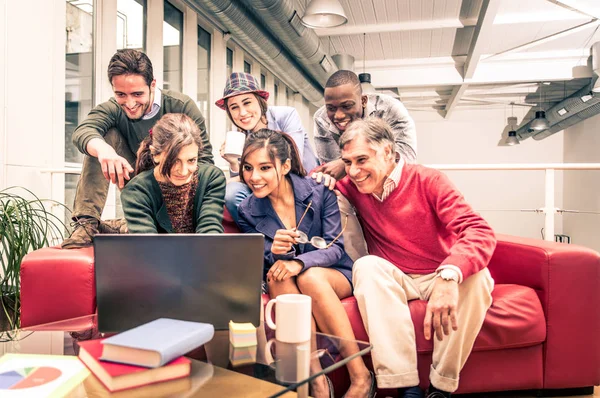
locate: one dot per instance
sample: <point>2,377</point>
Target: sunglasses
<point>317,241</point>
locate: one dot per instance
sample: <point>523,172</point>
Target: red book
<point>117,376</point>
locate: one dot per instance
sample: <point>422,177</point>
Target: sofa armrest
<point>567,280</point>
<point>57,284</point>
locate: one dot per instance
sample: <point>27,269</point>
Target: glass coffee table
<point>269,369</point>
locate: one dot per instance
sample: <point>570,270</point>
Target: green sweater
<point>146,212</point>
<point>109,115</point>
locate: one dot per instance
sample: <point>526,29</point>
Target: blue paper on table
<point>156,343</point>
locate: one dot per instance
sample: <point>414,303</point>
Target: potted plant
<point>26,224</point>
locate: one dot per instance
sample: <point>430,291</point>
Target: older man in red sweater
<point>425,242</point>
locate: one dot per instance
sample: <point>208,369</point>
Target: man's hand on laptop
<point>284,269</point>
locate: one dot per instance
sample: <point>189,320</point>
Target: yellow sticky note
<point>242,334</point>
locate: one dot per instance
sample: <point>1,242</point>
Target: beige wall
<point>582,188</point>
<point>471,136</point>
<point>32,121</point>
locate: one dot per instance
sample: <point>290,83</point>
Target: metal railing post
<point>549,209</point>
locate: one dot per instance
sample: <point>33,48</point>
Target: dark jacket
<point>146,212</point>
<point>322,219</point>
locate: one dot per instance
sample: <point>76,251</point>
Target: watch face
<point>449,275</point>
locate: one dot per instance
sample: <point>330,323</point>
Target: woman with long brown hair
<point>172,192</point>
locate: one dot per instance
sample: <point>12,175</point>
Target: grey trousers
<point>92,188</point>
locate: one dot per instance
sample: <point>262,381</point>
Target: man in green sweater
<point>111,135</point>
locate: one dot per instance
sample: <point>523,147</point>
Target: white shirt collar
<point>155,105</point>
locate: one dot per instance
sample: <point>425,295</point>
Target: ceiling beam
<point>549,38</point>
<point>577,6</point>
<point>489,101</point>
<point>405,26</point>
<point>483,29</point>
<point>497,71</point>
<point>482,32</point>
<point>454,99</point>
<point>347,30</point>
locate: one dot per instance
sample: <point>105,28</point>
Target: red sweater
<point>424,223</point>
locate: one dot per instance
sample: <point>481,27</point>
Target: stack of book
<point>147,354</point>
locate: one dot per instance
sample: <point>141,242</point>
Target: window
<point>276,94</point>
<point>130,24</point>
<point>172,39</point>
<point>229,61</point>
<point>247,67</point>
<point>79,68</point>
<point>263,81</point>
<point>203,73</point>
<point>78,83</point>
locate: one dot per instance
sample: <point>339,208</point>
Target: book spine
<point>185,345</point>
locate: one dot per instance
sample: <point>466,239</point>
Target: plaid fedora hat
<point>241,83</point>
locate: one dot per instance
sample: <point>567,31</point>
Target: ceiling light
<point>365,83</point>
<point>512,138</point>
<point>562,111</point>
<point>540,122</point>
<point>587,97</point>
<point>596,88</point>
<point>365,78</point>
<point>324,14</point>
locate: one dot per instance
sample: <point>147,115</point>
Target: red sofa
<point>542,331</point>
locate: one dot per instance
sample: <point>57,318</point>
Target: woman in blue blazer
<point>295,214</point>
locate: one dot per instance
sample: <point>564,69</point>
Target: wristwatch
<point>448,274</point>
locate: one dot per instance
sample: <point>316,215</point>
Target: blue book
<point>156,343</point>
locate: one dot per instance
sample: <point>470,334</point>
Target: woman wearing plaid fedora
<point>246,106</point>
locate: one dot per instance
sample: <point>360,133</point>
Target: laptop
<point>212,278</point>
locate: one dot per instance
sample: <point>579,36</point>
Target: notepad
<point>242,334</point>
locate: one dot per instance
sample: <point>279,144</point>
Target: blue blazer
<point>322,219</point>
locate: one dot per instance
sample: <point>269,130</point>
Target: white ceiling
<point>447,54</point>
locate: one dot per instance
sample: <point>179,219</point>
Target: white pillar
<point>218,77</point>
<point>154,37</point>
<point>190,53</point>
<point>105,42</point>
<point>57,182</point>
<point>271,88</point>
<point>3,93</point>
<point>238,59</point>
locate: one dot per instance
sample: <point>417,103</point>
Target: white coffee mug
<point>293,314</point>
<point>291,361</point>
<point>234,143</point>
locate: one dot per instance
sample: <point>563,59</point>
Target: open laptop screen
<point>211,278</point>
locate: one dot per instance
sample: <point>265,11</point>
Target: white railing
<point>549,210</point>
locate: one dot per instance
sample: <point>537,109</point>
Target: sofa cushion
<point>514,320</point>
<point>229,226</point>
